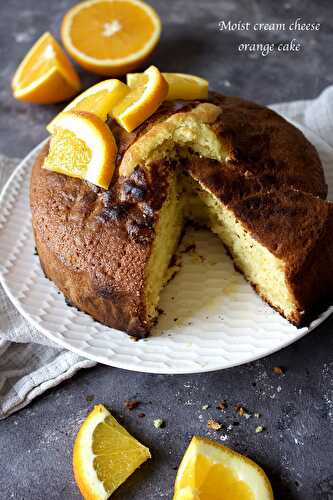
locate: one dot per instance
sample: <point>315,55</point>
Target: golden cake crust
<point>95,244</point>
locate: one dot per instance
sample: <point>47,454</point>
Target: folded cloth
<point>30,363</point>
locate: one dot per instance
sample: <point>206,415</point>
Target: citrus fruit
<point>45,75</point>
<point>98,99</point>
<point>211,471</point>
<point>142,101</point>
<point>82,146</point>
<point>104,455</point>
<point>110,37</point>
<point>181,85</point>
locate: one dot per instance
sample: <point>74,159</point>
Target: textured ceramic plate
<point>211,319</point>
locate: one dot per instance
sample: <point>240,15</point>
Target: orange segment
<point>82,146</point>
<point>45,75</point>
<point>181,85</point>
<point>104,455</point>
<point>211,471</point>
<point>110,37</point>
<point>142,101</point>
<point>99,99</point>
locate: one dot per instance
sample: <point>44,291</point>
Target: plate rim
<point>98,359</point>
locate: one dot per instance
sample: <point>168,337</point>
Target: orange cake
<point>231,165</point>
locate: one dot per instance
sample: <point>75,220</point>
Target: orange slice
<point>110,37</point>
<point>45,75</point>
<point>211,471</point>
<point>99,99</point>
<point>181,85</point>
<point>142,101</point>
<point>104,455</point>
<point>82,146</point>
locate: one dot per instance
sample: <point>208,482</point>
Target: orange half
<point>110,37</point>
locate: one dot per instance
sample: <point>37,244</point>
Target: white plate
<point>212,318</point>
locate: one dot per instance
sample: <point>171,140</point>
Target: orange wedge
<point>82,146</point>
<point>211,471</point>
<point>142,101</point>
<point>45,75</point>
<point>181,85</point>
<point>104,455</point>
<point>99,99</point>
<point>110,37</point>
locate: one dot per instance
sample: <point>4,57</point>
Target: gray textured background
<point>297,409</point>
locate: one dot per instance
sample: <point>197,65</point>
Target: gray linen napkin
<point>30,363</point>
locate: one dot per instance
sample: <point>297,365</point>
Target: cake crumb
<point>213,424</point>
<point>222,405</point>
<point>257,415</point>
<point>260,428</point>
<point>241,410</point>
<point>278,370</point>
<point>159,423</point>
<point>131,404</point>
<point>205,407</point>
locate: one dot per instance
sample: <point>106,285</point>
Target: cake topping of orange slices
<point>104,455</point>
<point>110,37</point>
<point>211,471</point>
<point>45,75</point>
<point>181,85</point>
<point>142,101</point>
<point>99,99</point>
<point>82,146</point>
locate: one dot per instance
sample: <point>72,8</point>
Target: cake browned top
<point>108,234</point>
<point>257,142</point>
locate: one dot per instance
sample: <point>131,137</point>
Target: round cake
<point>228,164</point>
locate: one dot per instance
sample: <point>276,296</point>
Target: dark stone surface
<point>296,408</point>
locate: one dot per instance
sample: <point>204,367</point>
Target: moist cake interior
<point>188,200</point>
<point>167,235</point>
